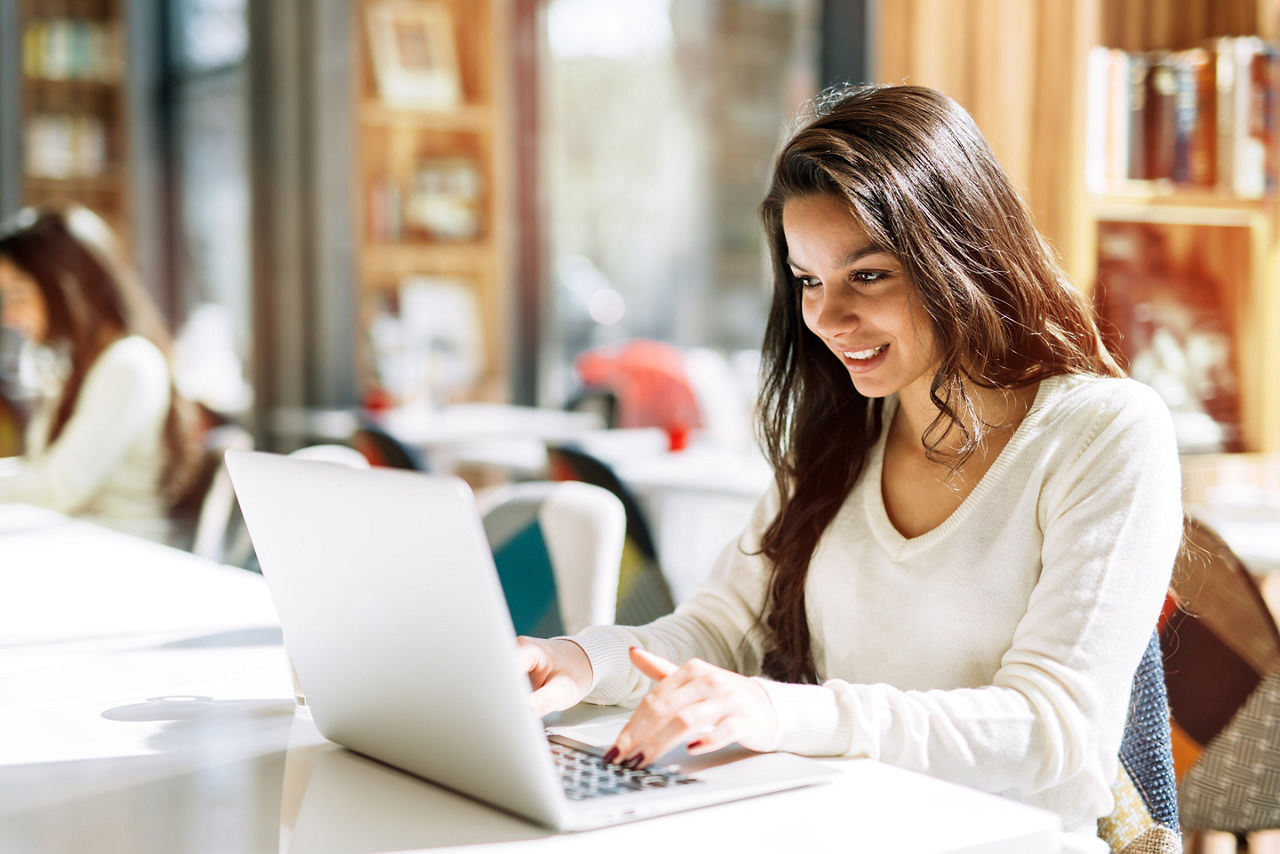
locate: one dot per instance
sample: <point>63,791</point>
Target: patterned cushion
<point>524,568</point>
<point>1236,784</point>
<point>1145,818</point>
<point>1222,663</point>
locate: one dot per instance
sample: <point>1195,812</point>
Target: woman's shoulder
<point>1116,411</point>
<point>135,350</point>
<point>1086,398</point>
<point>132,360</point>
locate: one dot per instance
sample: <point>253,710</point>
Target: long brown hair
<point>918,176</point>
<point>92,298</point>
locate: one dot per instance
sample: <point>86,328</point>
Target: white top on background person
<point>110,456</point>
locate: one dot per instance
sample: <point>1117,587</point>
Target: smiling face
<point>23,303</point>
<point>857,298</point>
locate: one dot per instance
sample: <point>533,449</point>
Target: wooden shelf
<point>386,263</point>
<point>111,84</point>
<point>467,117</point>
<point>392,147</point>
<point>1027,84</point>
<point>1167,204</point>
<point>105,183</point>
<point>96,104</point>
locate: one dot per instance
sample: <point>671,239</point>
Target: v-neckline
<point>891,538</point>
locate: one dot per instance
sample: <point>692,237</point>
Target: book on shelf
<point>442,200</point>
<point>71,49</point>
<point>1203,117</point>
<point>65,146</point>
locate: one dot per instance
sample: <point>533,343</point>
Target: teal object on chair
<point>524,569</point>
<point>558,549</point>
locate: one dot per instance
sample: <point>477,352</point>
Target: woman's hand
<point>559,672</point>
<point>698,704</point>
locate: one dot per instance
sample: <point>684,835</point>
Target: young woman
<point>974,520</point>
<point>111,440</point>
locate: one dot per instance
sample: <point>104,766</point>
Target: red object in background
<point>378,399</point>
<point>650,383</point>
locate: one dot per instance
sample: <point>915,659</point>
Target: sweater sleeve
<point>124,392</point>
<point>1112,524</point>
<point>717,623</point>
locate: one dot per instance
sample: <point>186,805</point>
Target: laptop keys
<point>584,774</point>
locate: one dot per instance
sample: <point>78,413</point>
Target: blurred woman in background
<point>109,437</point>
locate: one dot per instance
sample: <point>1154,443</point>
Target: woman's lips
<point>860,361</point>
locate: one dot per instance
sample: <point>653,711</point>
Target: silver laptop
<point>396,623</point>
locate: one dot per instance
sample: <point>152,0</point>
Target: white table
<point>146,707</point>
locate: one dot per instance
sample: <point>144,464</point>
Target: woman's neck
<point>998,412</point>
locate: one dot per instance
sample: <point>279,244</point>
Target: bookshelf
<point>430,173</point>
<point>74,107</point>
<point>1030,82</point>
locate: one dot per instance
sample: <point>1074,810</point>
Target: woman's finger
<point>691,723</point>
<point>726,731</point>
<point>666,709</point>
<point>654,666</point>
<point>667,702</point>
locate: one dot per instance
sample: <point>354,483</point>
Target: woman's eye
<point>867,277</point>
<point>806,282</point>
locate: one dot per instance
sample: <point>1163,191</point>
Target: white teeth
<point>865,354</point>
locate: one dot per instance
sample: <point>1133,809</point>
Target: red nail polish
<point>694,745</point>
<point>634,762</point>
<point>611,755</point>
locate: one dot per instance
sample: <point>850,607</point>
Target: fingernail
<point>611,755</point>
<point>634,762</point>
<point>694,745</point>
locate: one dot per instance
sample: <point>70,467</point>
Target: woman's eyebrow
<point>854,256</point>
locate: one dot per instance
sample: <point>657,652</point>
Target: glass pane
<point>211,153</point>
<point>211,33</point>
<point>659,122</point>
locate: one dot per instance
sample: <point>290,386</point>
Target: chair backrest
<point>643,591</point>
<point>380,448</point>
<point>216,508</point>
<point>340,454</point>
<point>1222,659</point>
<point>558,548</point>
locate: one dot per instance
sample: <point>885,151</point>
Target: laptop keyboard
<point>584,774</point>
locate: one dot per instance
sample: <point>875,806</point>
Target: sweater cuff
<point>810,719</point>
<point>611,667</point>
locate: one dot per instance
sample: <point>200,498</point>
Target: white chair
<point>583,527</point>
<point>210,536</point>
<point>224,542</point>
<point>340,454</point>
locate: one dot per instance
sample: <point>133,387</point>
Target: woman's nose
<point>837,314</point>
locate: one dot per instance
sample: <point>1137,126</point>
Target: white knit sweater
<point>106,462</point>
<point>995,651</point>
